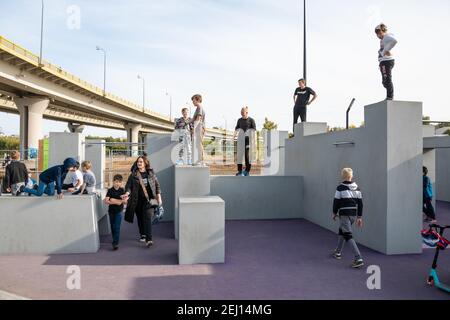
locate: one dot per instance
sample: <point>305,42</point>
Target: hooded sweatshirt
<point>348,200</point>
<point>386,44</point>
<point>57,174</point>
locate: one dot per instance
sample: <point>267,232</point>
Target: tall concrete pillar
<point>64,145</point>
<point>31,116</point>
<point>95,151</point>
<point>76,128</point>
<point>133,137</point>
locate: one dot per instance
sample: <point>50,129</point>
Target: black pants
<point>248,166</point>
<point>428,209</point>
<point>299,111</point>
<point>67,186</point>
<point>386,72</point>
<point>144,215</point>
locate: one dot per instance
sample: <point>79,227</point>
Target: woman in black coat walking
<point>144,195</point>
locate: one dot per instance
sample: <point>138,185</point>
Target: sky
<point>240,53</point>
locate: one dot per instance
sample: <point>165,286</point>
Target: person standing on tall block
<point>386,58</point>
<point>302,97</point>
<point>245,123</point>
<point>198,121</point>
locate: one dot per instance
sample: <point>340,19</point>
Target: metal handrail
<point>348,111</point>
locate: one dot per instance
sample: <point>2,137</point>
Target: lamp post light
<point>104,69</point>
<point>143,92</point>
<point>304,39</point>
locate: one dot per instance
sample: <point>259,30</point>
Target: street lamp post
<point>143,92</point>
<point>104,69</point>
<point>42,33</point>
<point>170,105</point>
<point>304,39</point>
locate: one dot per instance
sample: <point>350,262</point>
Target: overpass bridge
<point>36,90</point>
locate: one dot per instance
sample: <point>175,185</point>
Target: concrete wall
<point>386,156</point>
<point>95,153</point>
<point>443,174</point>
<point>441,178</point>
<point>259,198</point>
<point>64,145</point>
<point>160,150</point>
<point>31,225</point>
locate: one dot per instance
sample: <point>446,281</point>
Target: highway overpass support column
<point>133,137</point>
<point>31,116</point>
<point>75,128</point>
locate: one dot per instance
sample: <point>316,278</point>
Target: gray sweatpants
<point>346,235</point>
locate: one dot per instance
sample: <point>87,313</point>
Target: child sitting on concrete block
<point>89,180</point>
<point>348,206</point>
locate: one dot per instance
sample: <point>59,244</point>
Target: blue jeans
<point>48,189</point>
<point>115,220</point>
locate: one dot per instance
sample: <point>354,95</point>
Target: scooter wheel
<point>430,282</point>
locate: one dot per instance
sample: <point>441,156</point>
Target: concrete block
<point>260,197</point>
<point>304,129</point>
<point>104,226</point>
<point>44,225</point>
<point>189,182</point>
<point>64,145</point>
<point>202,230</point>
<point>161,151</point>
<point>428,131</point>
<point>95,152</point>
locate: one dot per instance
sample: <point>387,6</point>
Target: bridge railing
<point>23,53</point>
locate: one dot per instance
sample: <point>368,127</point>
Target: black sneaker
<point>337,255</point>
<point>239,174</point>
<point>358,263</point>
<point>142,239</point>
<point>149,243</point>
<point>115,247</point>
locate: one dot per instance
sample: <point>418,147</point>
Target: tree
<point>9,143</point>
<point>269,125</point>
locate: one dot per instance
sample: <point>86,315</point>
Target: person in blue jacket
<point>52,179</point>
<point>428,208</point>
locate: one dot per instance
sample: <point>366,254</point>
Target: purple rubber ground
<point>264,260</point>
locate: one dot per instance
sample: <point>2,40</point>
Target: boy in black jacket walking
<point>348,206</point>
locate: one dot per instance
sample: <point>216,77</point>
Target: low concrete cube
<point>45,225</point>
<point>202,230</point>
<point>190,181</point>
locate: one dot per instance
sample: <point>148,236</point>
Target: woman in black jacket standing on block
<point>144,195</point>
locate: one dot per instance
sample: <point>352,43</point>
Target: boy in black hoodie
<point>348,206</point>
<point>53,178</point>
